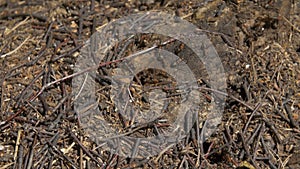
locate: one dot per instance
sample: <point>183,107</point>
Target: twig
<point>37,16</point>
<point>13,51</point>
<point>20,156</point>
<point>22,109</point>
<point>191,161</point>
<point>198,140</point>
<point>48,30</point>
<point>17,144</point>
<point>92,7</point>
<point>162,152</point>
<point>20,97</point>
<point>80,22</point>
<point>250,118</point>
<point>272,127</point>
<point>70,162</point>
<point>68,53</point>
<point>83,148</point>
<point>223,36</point>
<point>81,154</point>
<point>6,165</point>
<point>262,130</point>
<point>8,31</point>
<point>115,156</point>
<point>81,87</point>
<point>225,94</point>
<point>245,145</point>
<point>284,18</point>
<point>44,103</point>
<point>289,112</point>
<point>60,103</point>
<point>251,139</point>
<point>30,160</point>
<point>182,161</point>
<point>51,161</point>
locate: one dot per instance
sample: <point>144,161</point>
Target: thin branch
<point>13,51</point>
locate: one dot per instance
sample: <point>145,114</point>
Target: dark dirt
<point>258,42</point>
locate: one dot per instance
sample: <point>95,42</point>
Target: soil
<point>258,42</point>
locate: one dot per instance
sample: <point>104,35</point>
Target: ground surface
<point>258,42</point>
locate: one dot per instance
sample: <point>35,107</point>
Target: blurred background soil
<point>258,42</point>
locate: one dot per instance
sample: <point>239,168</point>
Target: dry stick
<point>26,159</point>
<point>62,111</point>
<point>245,145</point>
<point>13,51</point>
<point>17,144</point>
<point>189,159</point>
<point>162,152</point>
<point>198,140</point>
<point>141,126</point>
<point>88,165</point>
<point>43,162</point>
<point>289,22</point>
<point>225,94</point>
<point>48,30</point>
<point>60,103</point>
<point>29,85</point>
<point>72,34</point>
<point>282,115</point>
<point>251,116</point>
<point>290,115</point>
<point>182,161</point>
<point>50,163</point>
<point>206,155</point>
<point>262,130</point>
<point>272,127</point>
<point>2,99</point>
<point>62,79</point>
<point>6,165</point>
<point>40,159</point>
<point>81,88</point>
<point>81,154</point>
<point>254,111</point>
<point>80,22</point>
<point>223,36</point>
<point>92,7</point>
<point>129,40</point>
<point>135,149</point>
<point>246,89</point>
<point>20,156</point>
<point>230,139</point>
<point>14,28</point>
<point>83,148</point>
<point>94,25</point>
<point>68,53</point>
<point>266,151</point>
<point>112,161</point>
<point>254,164</point>
<point>23,109</point>
<point>44,103</point>
<point>30,160</point>
<point>251,139</point>
<point>216,150</point>
<point>271,152</point>
<point>70,162</point>
<point>37,16</point>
